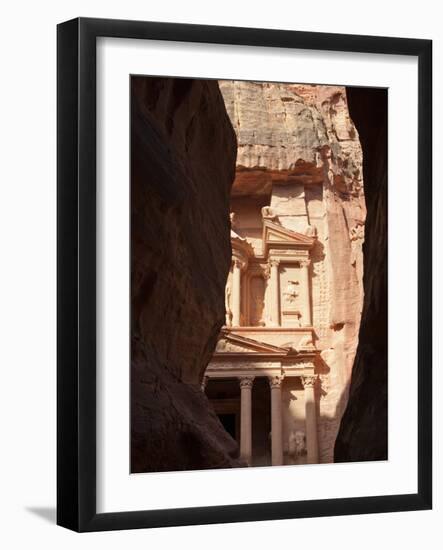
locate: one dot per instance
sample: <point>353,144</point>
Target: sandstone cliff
<point>183,163</point>
<point>363,430</point>
<point>298,146</point>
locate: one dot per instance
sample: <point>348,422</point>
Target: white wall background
<point>27,274</point>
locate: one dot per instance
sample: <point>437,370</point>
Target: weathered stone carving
<point>311,231</point>
<point>309,381</point>
<point>228,319</point>
<point>268,213</point>
<point>275,381</point>
<point>290,293</point>
<point>306,342</point>
<point>305,262</point>
<point>357,232</point>
<point>297,443</point>
<point>247,382</point>
<point>234,235</point>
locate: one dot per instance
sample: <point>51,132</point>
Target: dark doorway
<point>229,422</point>
<point>261,422</point>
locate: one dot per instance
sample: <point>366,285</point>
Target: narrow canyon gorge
<point>274,177</point>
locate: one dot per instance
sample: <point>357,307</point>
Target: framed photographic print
<point>244,274</point>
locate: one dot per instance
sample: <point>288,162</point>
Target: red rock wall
<point>183,165</point>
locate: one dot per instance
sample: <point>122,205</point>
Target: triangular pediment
<point>274,233</point>
<point>273,236</point>
<point>234,343</point>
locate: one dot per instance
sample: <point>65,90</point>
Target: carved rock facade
<point>294,293</point>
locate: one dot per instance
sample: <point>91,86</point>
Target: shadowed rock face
<point>183,165</point>
<point>363,430</point>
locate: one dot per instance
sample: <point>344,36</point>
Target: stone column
<point>275,292</point>
<point>305,293</point>
<point>236,277</point>
<point>311,419</point>
<point>276,421</point>
<point>246,383</point>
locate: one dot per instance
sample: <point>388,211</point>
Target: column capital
<point>274,262</point>
<point>246,381</point>
<point>236,262</point>
<point>275,381</point>
<point>309,380</point>
<point>305,262</point>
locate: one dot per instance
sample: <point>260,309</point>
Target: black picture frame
<point>76,266</point>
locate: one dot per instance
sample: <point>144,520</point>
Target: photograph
<point>258,223</point>
<point>221,226</point>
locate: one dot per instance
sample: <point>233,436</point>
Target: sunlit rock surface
<point>299,151</point>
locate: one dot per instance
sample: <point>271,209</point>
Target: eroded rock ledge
<point>183,165</point>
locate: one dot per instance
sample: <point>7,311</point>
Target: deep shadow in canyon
<point>363,430</point>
